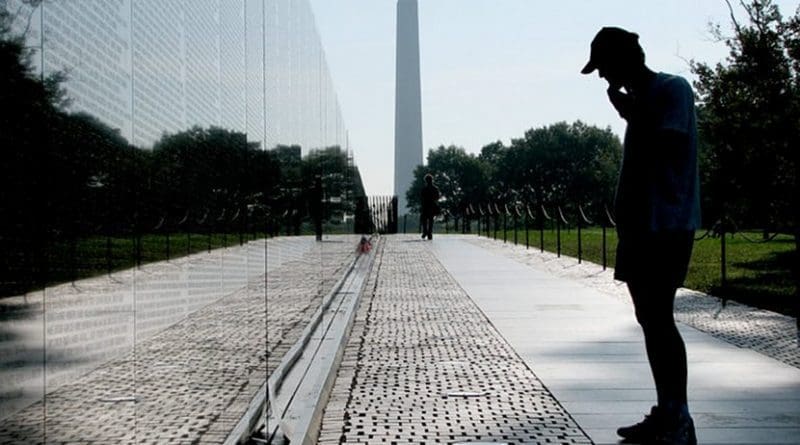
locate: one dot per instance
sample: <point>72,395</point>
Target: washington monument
<point>408,103</point>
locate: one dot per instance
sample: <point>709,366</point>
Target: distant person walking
<point>658,209</point>
<point>430,206</point>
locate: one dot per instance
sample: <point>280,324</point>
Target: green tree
<point>562,164</point>
<point>200,170</point>
<point>748,119</point>
<point>462,180</point>
<point>341,181</point>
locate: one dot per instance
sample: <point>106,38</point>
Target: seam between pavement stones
<point>762,331</point>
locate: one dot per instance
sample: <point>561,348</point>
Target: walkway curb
<point>298,389</point>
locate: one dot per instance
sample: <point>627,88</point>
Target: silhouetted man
<point>658,210</point>
<point>430,207</point>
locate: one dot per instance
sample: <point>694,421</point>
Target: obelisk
<point>408,102</point>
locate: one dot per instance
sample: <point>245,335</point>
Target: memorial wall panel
<point>145,267</point>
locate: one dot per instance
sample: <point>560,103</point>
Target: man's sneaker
<point>677,431</point>
<point>644,431</point>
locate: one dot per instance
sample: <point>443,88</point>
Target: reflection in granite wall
<point>149,67</point>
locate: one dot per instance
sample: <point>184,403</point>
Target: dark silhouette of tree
<point>461,179</point>
<point>748,119</point>
<point>563,164</point>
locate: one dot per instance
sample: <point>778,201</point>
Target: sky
<point>492,69</point>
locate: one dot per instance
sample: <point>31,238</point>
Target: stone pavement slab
<point>769,333</point>
<point>424,365</point>
<point>51,337</point>
<point>189,382</point>
<point>586,348</point>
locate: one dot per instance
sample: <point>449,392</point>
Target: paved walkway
<point>423,365</point>
<point>193,380</point>
<point>538,357</point>
<point>767,332</point>
<point>461,339</point>
<point>84,324</point>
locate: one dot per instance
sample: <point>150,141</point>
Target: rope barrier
<point>709,231</point>
<point>185,219</point>
<point>160,224</point>
<point>610,218</point>
<point>544,213</point>
<point>736,231</point>
<point>222,215</point>
<point>202,220</point>
<point>530,214</point>
<point>561,215</point>
<point>583,216</point>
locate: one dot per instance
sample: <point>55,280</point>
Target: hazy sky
<point>492,69</point>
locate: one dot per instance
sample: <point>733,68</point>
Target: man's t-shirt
<point>659,191</point>
<point>430,197</point>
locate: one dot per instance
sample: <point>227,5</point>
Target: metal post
<point>505,227</point>
<point>580,245</point>
<point>558,236</point>
<point>515,229</point>
<point>73,253</point>
<point>541,235</point>
<point>723,255</point>
<point>612,224</point>
<point>108,254</point>
<point>242,227</point>
<point>527,231</point>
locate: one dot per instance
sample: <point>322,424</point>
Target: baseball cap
<point>608,44</point>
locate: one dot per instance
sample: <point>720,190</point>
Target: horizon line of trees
<point>74,167</point>
<point>748,111</point>
<point>68,175</point>
<point>561,164</point>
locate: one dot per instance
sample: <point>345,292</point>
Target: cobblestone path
<point>424,365</point>
<point>192,382</point>
<point>766,332</point>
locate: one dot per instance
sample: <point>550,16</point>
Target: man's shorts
<point>655,258</point>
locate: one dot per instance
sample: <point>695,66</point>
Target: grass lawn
<point>758,274</point>
<point>97,255</point>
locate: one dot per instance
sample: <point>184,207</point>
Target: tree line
<point>67,175</point>
<point>561,164</point>
<point>748,110</point>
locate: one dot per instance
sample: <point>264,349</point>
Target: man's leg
<point>665,347</point>
<point>669,422</point>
